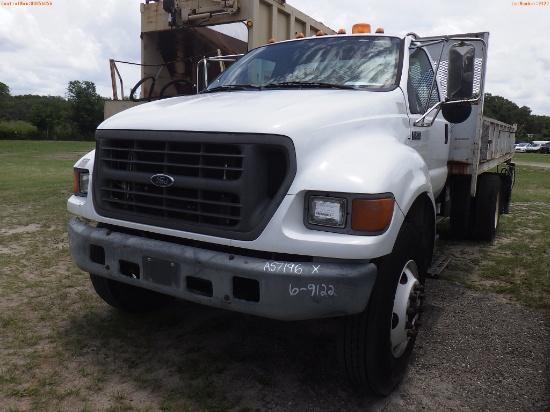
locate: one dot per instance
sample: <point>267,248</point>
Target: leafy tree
<point>4,90</point>
<point>539,126</point>
<point>86,107</point>
<point>49,113</point>
<point>499,108</point>
<point>504,110</point>
<point>4,97</point>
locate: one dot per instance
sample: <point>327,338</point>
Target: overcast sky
<point>43,47</point>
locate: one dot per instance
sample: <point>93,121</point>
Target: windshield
<point>369,62</point>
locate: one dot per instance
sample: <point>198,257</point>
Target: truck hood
<point>286,112</point>
<point>332,130</point>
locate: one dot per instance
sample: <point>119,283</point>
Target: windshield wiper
<point>307,85</point>
<point>231,87</point>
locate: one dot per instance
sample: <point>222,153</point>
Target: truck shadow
<point>215,358</point>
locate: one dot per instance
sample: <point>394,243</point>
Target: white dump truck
<point>305,181</point>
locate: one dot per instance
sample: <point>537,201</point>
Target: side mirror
<point>460,74</point>
<point>460,83</point>
<point>456,112</point>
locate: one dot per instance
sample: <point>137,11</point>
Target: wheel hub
<point>407,307</point>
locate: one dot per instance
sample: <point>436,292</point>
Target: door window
<point>421,82</point>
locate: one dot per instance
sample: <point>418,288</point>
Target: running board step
<point>438,264</point>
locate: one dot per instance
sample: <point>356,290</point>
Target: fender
<point>372,164</point>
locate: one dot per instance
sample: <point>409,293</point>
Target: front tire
<point>375,346</point>
<point>128,298</point>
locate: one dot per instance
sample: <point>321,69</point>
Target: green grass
<point>35,181</point>
<point>63,349</point>
<point>60,345</point>
<point>531,158</point>
<point>532,185</point>
<point>516,264</point>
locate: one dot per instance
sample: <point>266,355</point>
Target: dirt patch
<point>33,227</point>
<point>545,165</point>
<point>72,156</point>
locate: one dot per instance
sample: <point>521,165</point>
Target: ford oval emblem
<point>161,180</point>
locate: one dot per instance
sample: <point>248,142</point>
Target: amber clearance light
<point>371,215</point>
<point>361,28</point>
<point>81,179</point>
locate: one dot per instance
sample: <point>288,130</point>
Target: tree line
<point>530,127</point>
<point>77,116</point>
<point>33,117</point>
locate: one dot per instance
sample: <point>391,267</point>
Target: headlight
<point>327,211</point>
<point>81,178</point>
<point>351,213</point>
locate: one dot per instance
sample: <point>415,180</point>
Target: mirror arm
<point>474,100</point>
<point>420,121</point>
<point>420,42</point>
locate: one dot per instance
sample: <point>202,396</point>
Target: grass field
<point>532,158</point>
<point>61,347</point>
<point>516,264</point>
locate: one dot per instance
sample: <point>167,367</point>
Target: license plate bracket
<point>162,272</point>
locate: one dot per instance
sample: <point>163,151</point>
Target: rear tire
<point>128,298</point>
<point>375,346</point>
<point>488,208</point>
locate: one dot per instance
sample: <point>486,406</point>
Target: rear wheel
<point>375,346</point>
<point>126,297</point>
<point>488,209</point>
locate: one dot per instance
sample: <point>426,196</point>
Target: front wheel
<point>375,346</point>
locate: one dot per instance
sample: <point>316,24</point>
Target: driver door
<point>431,142</point>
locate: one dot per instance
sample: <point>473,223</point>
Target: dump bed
<point>476,150</point>
<point>497,143</point>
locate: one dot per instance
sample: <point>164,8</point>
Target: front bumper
<point>284,290</point>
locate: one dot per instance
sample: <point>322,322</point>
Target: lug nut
<point>412,333</point>
<point>411,311</point>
